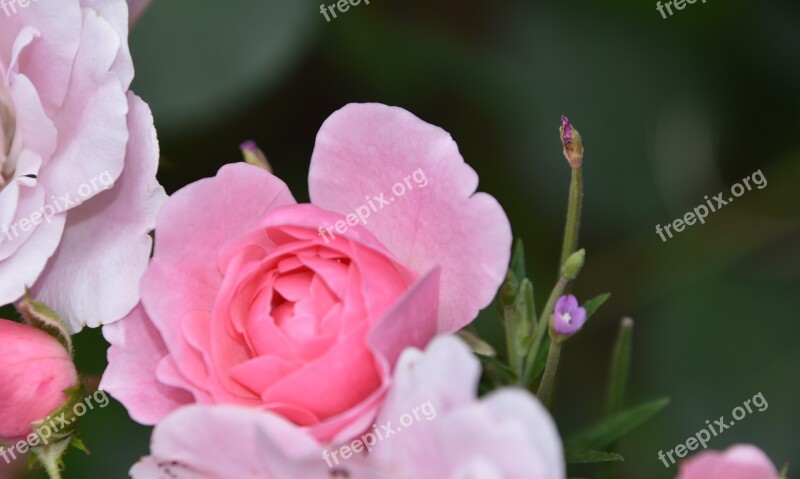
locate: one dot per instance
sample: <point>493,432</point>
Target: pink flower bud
<point>35,370</point>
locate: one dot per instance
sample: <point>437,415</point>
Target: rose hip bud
<point>35,372</point>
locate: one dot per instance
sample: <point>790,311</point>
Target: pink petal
<point>256,445</point>
<point>193,228</point>
<point>94,276</point>
<point>115,12</point>
<point>95,108</point>
<point>363,150</point>
<point>444,431</point>
<point>49,59</point>
<point>737,462</point>
<point>24,266</point>
<point>135,352</point>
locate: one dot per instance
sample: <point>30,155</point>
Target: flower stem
<point>549,377</point>
<point>541,330</point>
<point>573,224</point>
<point>574,208</point>
<point>53,470</point>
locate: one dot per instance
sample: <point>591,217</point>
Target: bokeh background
<point>670,111</point>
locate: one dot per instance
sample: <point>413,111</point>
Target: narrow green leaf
<point>594,303</point>
<point>541,358</point>
<point>518,260</point>
<point>587,457</point>
<point>620,368</point>
<point>616,426</point>
<point>497,364</point>
<point>478,345</point>
<point>526,306</point>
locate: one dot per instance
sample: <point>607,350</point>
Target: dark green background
<point>670,110</point>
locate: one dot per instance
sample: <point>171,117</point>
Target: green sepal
<point>40,316</point>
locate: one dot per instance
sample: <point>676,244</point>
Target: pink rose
<point>251,300</point>
<point>738,462</point>
<point>431,426</point>
<point>35,372</point>
<point>78,156</point>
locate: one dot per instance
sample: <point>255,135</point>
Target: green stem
<point>514,360</point>
<point>574,208</point>
<point>53,471</point>
<point>549,377</point>
<point>541,330</point>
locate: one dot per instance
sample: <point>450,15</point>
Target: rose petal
<point>94,276</point>
<point>192,229</point>
<point>363,150</point>
<point>135,352</point>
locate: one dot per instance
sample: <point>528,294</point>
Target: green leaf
<point>518,260</point>
<point>478,345</point>
<point>587,457</point>
<point>541,358</point>
<point>526,307</point>
<point>594,303</point>
<point>497,364</point>
<point>620,367</point>
<point>616,426</point>
<point>40,316</point>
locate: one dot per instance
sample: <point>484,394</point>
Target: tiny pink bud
<point>35,372</point>
<point>573,145</point>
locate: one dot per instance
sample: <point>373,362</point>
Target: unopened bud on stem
<point>573,146</point>
<point>574,264</point>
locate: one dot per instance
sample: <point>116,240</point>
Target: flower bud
<point>35,372</point>
<point>254,156</point>
<point>573,145</point>
<point>574,264</point>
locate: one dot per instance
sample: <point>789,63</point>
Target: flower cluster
<point>256,345</point>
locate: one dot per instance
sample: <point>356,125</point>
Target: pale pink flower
<point>507,433</point>
<point>246,303</point>
<point>737,462</point>
<point>78,155</point>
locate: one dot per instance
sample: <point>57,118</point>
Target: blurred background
<point>670,110</point>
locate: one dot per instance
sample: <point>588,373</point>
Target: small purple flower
<point>566,128</point>
<point>568,316</point>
